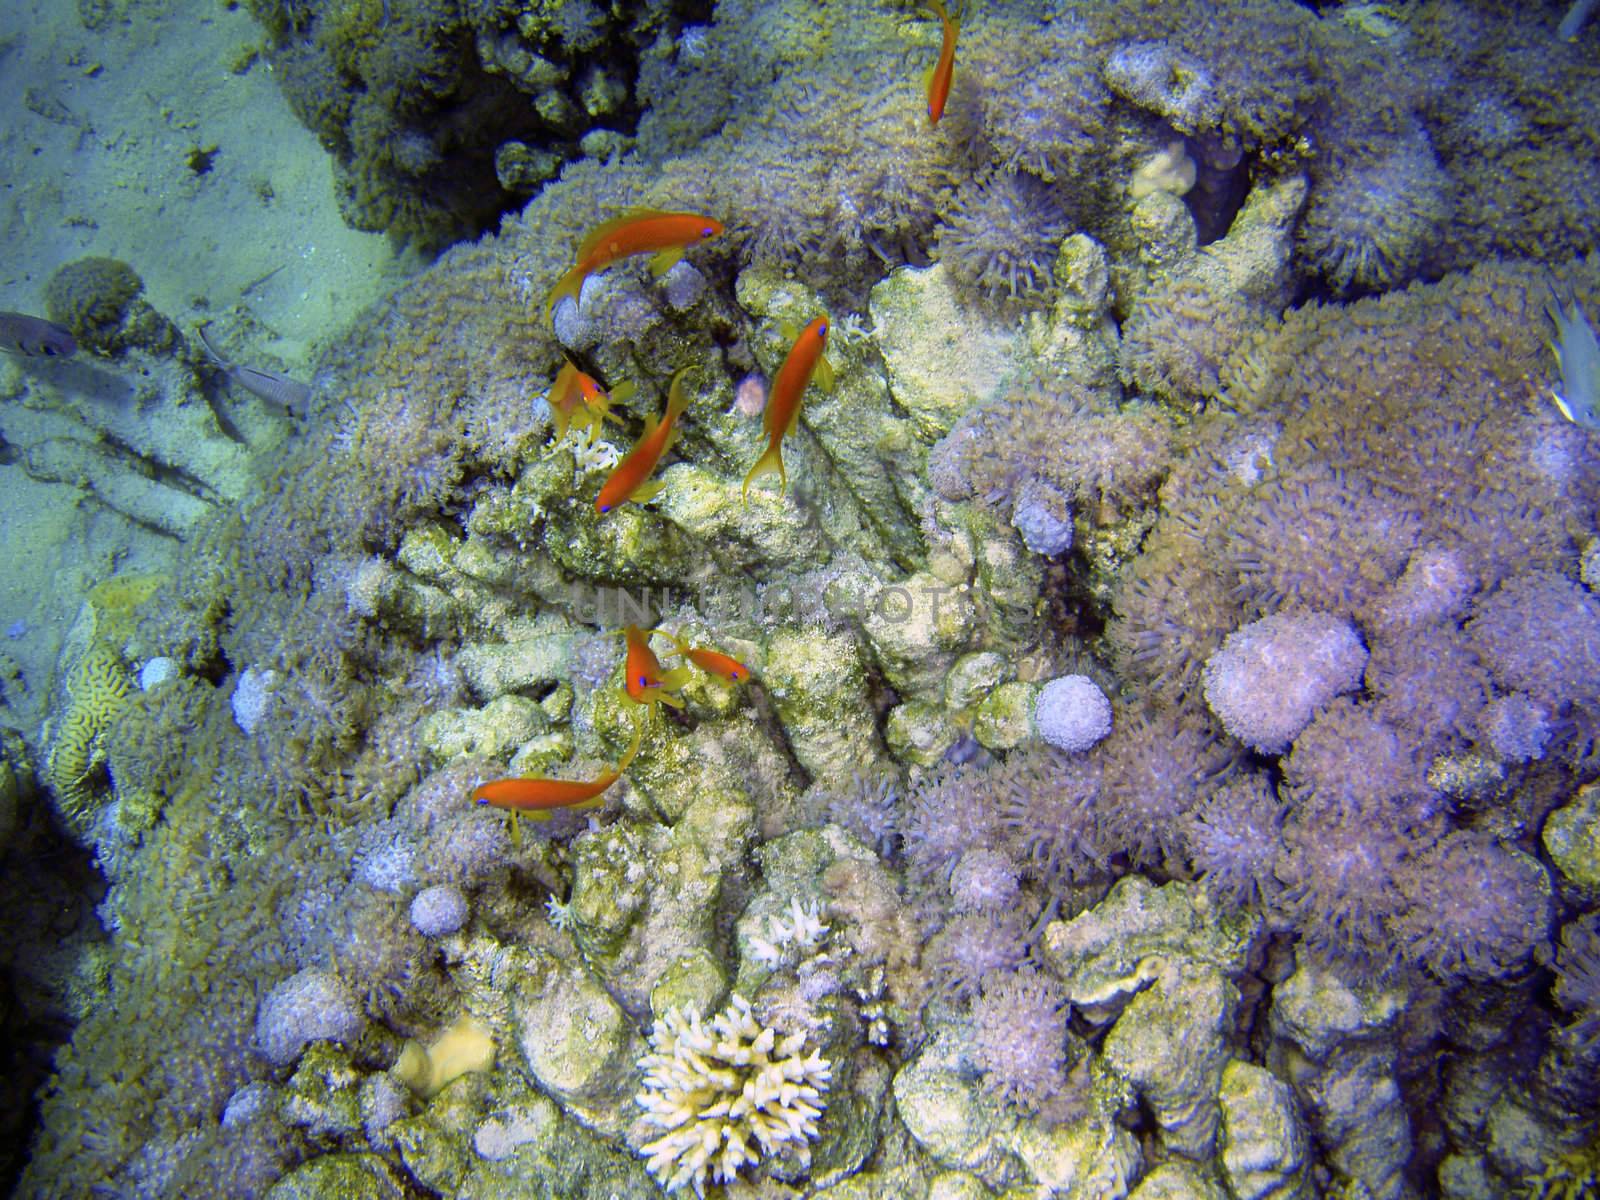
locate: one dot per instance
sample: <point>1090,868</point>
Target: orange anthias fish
<point>644,680</point>
<point>944,70</point>
<point>783,402</point>
<point>577,397</point>
<point>539,798</point>
<point>662,234</point>
<point>712,662</point>
<point>631,479</point>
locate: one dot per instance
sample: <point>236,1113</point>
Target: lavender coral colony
<point>1122,724</point>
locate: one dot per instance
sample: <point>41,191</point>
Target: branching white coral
<point>601,456</point>
<point>727,1092</point>
<point>803,929</point>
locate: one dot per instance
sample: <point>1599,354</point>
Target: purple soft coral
<point>1540,634</point>
<point>1019,1037</point>
<point>1234,837</point>
<point>1477,910</point>
<point>1272,675</point>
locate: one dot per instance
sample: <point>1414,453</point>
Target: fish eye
<point>605,508</point>
<point>822,329</point>
<point>707,232</point>
<point>644,681</point>
<point>49,351</point>
<point>733,674</point>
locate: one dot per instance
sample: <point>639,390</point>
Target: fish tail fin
<point>769,462</point>
<point>223,364</point>
<point>619,395</point>
<point>681,645</point>
<point>677,400</point>
<point>569,284</point>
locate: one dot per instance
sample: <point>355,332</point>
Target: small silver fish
<point>22,334</point>
<point>270,386</point>
<point>1578,355</point>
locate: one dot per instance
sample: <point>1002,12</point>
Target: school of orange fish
<point>577,401</point>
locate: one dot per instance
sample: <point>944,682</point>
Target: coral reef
<point>1162,754</point>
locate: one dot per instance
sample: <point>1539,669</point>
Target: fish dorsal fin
<point>605,229</point>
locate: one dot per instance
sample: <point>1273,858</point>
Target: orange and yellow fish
<point>939,78</point>
<point>644,680</point>
<point>664,235</point>
<point>631,478</point>
<point>540,798</point>
<point>712,662</point>
<point>783,402</point>
<point>576,397</point>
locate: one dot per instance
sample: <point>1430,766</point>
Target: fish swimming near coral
<point>540,799</point>
<point>942,72</point>
<point>712,662</point>
<point>1578,355</point>
<point>644,681</point>
<point>663,235</point>
<point>783,402</point>
<point>34,337</point>
<point>631,479</point>
<point>271,386</point>
<point>576,397</point>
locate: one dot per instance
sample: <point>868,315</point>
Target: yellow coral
<point>97,692</point>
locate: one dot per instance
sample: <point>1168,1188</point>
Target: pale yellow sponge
<point>465,1046</point>
<point>727,1092</point>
